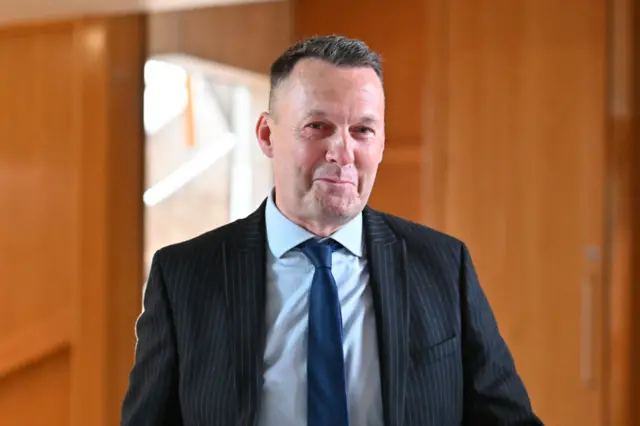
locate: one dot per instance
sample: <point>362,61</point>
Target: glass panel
<point>203,165</point>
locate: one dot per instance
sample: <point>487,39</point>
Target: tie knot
<point>319,252</point>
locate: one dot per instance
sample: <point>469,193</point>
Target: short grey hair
<point>334,49</point>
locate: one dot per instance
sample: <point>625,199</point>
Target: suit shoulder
<point>421,235</point>
<point>207,242</point>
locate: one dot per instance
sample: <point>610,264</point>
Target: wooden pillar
<point>111,166</point>
<point>623,213</point>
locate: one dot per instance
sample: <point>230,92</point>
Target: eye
<point>364,130</point>
<point>316,126</point>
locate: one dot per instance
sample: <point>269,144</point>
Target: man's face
<point>326,138</point>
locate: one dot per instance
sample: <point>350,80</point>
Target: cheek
<point>310,154</point>
<point>367,160</point>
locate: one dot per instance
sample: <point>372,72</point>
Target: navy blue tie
<point>326,381</point>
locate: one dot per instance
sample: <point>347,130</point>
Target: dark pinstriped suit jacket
<point>201,337</point>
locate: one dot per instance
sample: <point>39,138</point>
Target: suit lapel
<point>245,290</point>
<point>386,255</point>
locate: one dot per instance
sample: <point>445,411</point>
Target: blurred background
<point>129,125</point>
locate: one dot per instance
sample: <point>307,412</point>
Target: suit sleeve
<point>493,391</point>
<point>152,397</point>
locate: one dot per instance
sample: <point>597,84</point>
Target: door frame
<point>623,207</point>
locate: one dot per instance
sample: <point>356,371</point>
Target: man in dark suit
<point>316,309</point>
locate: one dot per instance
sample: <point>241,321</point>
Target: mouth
<point>335,181</point>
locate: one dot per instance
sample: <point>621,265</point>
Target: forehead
<point>318,85</point>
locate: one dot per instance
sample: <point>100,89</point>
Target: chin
<point>338,206</point>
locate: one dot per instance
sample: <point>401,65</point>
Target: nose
<point>340,150</point>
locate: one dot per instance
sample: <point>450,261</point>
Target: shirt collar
<point>284,235</point>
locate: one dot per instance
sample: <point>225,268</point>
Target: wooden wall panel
<point>248,36</point>
<point>39,190</point>
<point>38,395</point>
<point>71,233</point>
<point>397,189</point>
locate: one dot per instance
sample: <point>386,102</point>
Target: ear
<point>263,134</point>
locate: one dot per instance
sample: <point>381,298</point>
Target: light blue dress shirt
<point>289,276</point>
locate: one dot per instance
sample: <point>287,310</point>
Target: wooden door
<point>519,151</point>
<point>70,233</point>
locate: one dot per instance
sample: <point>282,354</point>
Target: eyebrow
<point>316,113</point>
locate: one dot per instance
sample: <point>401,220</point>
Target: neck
<point>321,230</point>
